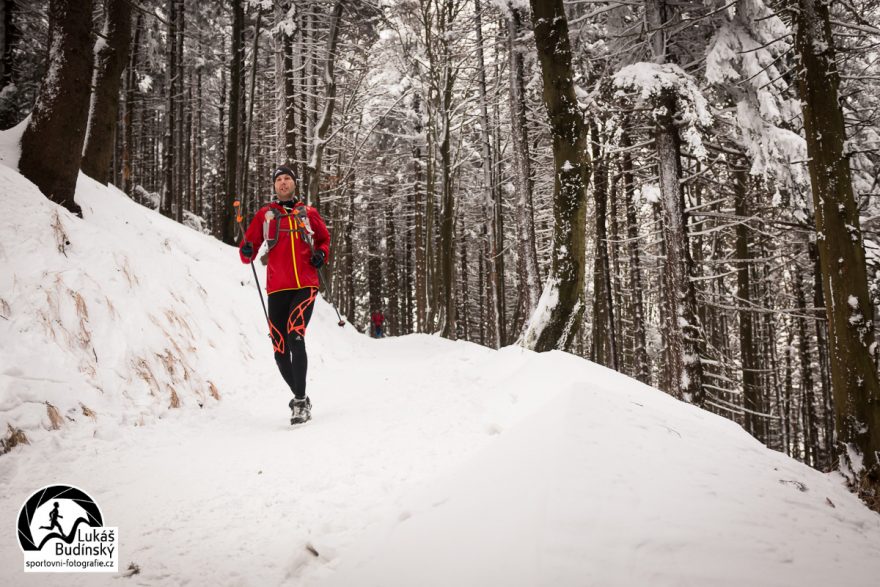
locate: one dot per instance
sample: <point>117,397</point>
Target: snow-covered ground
<point>428,462</point>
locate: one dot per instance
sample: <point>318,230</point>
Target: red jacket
<point>290,264</point>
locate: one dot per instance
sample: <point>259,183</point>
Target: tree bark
<point>11,37</point>
<point>290,137</point>
<point>279,40</point>
<point>349,257</point>
<point>640,352</point>
<point>236,67</point>
<point>391,280</point>
<point>249,122</point>
<point>168,155</point>
<point>850,312</point>
<point>683,356</point>
<point>323,124</point>
<point>375,283</point>
<point>7,13</point>
<point>421,266</point>
<point>447,196</point>
<point>491,195</point>
<point>751,389</point>
<point>821,328</point>
<point>53,140</point>
<point>128,112</point>
<point>557,318</point>
<point>180,156</point>
<point>527,256</point>
<point>604,341</point>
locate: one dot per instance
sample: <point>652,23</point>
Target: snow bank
<point>613,483</point>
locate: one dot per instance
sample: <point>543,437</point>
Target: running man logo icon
<point>80,543</point>
<point>53,518</point>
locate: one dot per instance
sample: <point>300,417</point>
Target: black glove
<point>248,250</point>
<point>317,259</point>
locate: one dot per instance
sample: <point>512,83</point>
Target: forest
<point>681,191</point>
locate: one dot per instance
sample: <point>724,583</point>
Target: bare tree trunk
<point>785,408</point>
<point>220,209</point>
<point>170,102</point>
<point>747,343</point>
<point>249,123</point>
<point>7,13</point>
<point>290,137</point>
<point>431,282</point>
<point>806,366</point>
<point>640,352</point>
<point>236,66</point>
<point>279,39</point>
<point>421,267</point>
<point>302,68</point>
<point>53,140</point>
<point>180,156</point>
<point>393,313</point>
<point>464,312</point>
<point>557,318</point>
<point>349,256</point>
<point>484,291</point>
<point>821,328</point>
<point>604,342</point>
<point>198,143</point>
<point>191,150</point>
<point>447,197</point>
<point>527,256</point>
<point>10,38</point>
<point>842,255</point>
<point>375,283</point>
<point>110,60</point>
<point>683,355</point>
<point>406,325</point>
<point>491,195</point>
<point>323,124</point>
<point>128,114</point>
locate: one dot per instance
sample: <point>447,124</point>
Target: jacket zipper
<point>293,251</point>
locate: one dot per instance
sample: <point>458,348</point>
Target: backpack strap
<point>270,239</point>
<point>303,226</point>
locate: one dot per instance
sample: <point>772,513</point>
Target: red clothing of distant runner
<point>290,264</point>
<point>378,319</point>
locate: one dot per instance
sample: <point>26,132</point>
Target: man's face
<point>284,187</point>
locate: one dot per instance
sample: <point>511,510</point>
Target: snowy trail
<point>240,494</point>
<point>438,463</point>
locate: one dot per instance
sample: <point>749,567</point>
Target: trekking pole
<point>237,205</point>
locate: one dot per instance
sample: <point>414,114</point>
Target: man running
<point>299,244</point>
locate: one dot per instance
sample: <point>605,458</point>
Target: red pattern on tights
<point>296,322</point>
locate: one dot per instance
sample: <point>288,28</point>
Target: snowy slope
<point>429,462</point>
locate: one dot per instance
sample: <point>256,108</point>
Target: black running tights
<point>289,313</point>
